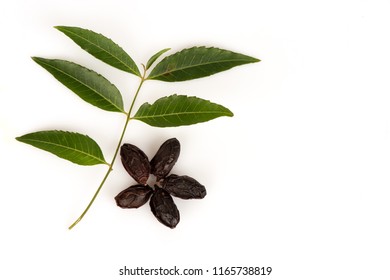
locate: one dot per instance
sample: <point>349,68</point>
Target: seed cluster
<point>137,164</point>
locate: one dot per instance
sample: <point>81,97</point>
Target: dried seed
<point>134,196</point>
<point>135,162</point>
<point>184,187</point>
<point>165,158</point>
<point>164,209</point>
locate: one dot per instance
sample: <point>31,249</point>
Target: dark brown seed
<point>165,158</point>
<point>134,196</point>
<point>184,187</point>
<point>135,162</point>
<point>164,209</point>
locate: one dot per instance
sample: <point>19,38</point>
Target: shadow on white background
<point>297,179</point>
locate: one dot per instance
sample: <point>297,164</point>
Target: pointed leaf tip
<point>87,84</point>
<point>155,57</point>
<point>178,110</point>
<point>197,62</point>
<point>72,146</point>
<point>101,47</point>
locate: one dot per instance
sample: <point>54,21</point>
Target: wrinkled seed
<point>135,162</point>
<point>164,208</point>
<point>134,196</point>
<point>165,158</point>
<point>183,187</point>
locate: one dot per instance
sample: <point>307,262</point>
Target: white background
<point>298,179</point>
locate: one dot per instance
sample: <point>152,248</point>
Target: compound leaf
<point>197,62</point>
<point>87,84</point>
<point>101,47</point>
<point>75,147</point>
<point>177,110</point>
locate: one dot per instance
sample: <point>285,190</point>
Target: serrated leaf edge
<point>21,139</point>
<point>227,113</point>
<point>133,71</point>
<point>252,60</point>
<point>39,60</point>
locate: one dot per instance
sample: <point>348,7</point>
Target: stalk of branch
<point>115,154</point>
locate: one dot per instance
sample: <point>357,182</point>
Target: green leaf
<point>155,57</point>
<point>197,62</point>
<point>177,110</point>
<point>101,47</point>
<point>71,146</point>
<point>87,84</point>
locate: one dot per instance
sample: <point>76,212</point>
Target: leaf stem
<point>128,118</point>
